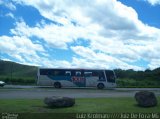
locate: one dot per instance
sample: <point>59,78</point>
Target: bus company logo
<point>9,116</point>
<point>78,79</point>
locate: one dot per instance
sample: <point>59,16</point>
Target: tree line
<point>138,75</point>
<point>131,78</point>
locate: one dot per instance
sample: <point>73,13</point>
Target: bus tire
<point>100,86</point>
<point>57,85</point>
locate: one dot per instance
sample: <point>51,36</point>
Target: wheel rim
<point>100,86</point>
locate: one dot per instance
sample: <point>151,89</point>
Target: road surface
<point>35,92</point>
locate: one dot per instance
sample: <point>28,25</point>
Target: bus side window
<point>43,72</point>
<point>68,73</point>
<point>95,73</point>
<point>72,73</point>
<point>49,72</point>
<point>55,73</point>
<point>87,74</point>
<point>58,73</point>
<point>78,73</point>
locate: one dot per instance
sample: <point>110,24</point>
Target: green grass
<point>36,109</point>
<point>83,105</point>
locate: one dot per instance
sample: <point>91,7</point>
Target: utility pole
<point>11,70</point>
<point>0,55</point>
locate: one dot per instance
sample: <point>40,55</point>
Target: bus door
<point>101,76</point>
<point>78,79</point>
<point>91,80</point>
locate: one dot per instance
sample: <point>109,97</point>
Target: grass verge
<point>83,105</point>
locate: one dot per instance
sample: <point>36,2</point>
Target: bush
<point>137,83</point>
<point>17,80</point>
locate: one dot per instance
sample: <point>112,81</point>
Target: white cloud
<point>10,15</point>
<point>56,36</point>
<point>11,6</point>
<point>116,36</point>
<point>95,59</point>
<point>153,2</point>
<point>8,4</point>
<point>154,63</point>
<point>20,48</point>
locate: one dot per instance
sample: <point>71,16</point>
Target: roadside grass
<point>83,105</point>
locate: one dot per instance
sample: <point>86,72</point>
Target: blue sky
<point>81,34</point>
<point>147,12</point>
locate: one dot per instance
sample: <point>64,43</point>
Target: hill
<point>12,72</point>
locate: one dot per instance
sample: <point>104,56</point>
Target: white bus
<point>76,78</point>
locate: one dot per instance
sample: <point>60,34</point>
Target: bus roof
<point>73,68</point>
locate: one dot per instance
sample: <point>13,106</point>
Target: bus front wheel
<point>57,85</point>
<point>100,86</point>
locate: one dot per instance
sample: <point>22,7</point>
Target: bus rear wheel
<point>57,85</point>
<point>100,86</point>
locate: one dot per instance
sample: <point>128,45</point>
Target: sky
<point>108,34</point>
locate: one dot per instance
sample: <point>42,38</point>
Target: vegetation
<point>131,78</point>
<point>132,83</point>
<point>138,75</point>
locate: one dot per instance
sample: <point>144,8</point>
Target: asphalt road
<point>35,92</point>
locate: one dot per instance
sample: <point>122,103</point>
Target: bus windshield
<point>110,76</point>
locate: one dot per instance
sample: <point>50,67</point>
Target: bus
<point>76,78</point>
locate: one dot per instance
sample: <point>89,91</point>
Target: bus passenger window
<point>95,73</point>
<point>78,73</point>
<point>68,73</point>
<point>87,74</point>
